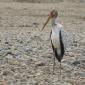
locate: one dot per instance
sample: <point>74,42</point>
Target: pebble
<point>75,63</point>
<point>82,74</point>
<point>63,83</point>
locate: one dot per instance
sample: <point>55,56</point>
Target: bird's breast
<point>55,39</point>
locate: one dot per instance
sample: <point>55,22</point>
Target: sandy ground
<point>26,56</point>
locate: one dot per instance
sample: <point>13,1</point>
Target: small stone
<point>6,42</point>
<point>40,64</point>
<point>9,56</point>
<point>82,74</point>
<point>5,73</point>
<point>63,83</point>
<point>76,63</point>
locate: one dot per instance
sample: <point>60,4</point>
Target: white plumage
<point>59,39</point>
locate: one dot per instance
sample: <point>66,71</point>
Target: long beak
<point>46,21</point>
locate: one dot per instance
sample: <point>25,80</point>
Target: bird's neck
<point>55,25</point>
<point>54,21</point>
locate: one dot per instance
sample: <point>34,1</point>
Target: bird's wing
<point>65,38</point>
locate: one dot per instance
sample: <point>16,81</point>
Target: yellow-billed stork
<point>58,37</point>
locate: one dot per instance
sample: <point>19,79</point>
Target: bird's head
<point>53,14</point>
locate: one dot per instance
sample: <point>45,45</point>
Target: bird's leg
<point>53,65</point>
<point>60,78</point>
<point>60,68</point>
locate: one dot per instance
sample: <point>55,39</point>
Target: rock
<point>82,58</point>
<point>9,56</point>
<point>82,1</point>
<point>6,42</point>
<point>4,53</point>
<point>5,73</point>
<point>39,63</point>
<point>66,67</point>
<point>75,63</point>
<point>28,49</point>
<point>82,74</point>
<point>62,83</point>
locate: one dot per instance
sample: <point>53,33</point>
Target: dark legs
<point>54,66</point>
<point>60,68</point>
<point>59,76</point>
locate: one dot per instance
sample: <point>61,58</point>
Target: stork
<point>58,37</point>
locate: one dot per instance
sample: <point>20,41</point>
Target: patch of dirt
<point>26,56</point>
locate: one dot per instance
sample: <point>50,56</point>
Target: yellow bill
<point>46,21</point>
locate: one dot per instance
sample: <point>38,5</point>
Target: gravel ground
<point>26,56</point>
